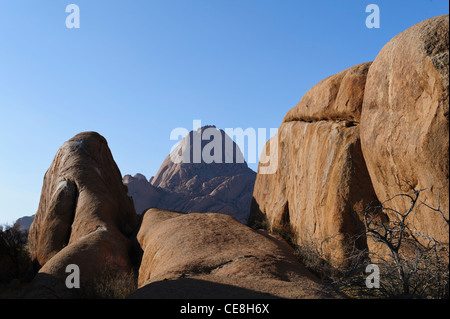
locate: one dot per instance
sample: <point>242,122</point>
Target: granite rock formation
<point>405,123</point>
<point>321,182</point>
<point>214,256</point>
<point>194,185</point>
<point>84,216</point>
<point>361,137</point>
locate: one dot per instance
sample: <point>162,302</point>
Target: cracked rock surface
<point>321,180</point>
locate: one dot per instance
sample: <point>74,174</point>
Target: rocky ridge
<point>225,186</point>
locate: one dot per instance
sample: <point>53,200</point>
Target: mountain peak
<point>197,184</point>
<point>207,153</point>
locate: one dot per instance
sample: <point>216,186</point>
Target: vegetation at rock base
<point>113,285</point>
<point>15,264</point>
<point>411,264</point>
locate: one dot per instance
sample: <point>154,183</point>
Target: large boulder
<point>84,215</point>
<point>214,256</point>
<point>405,123</point>
<point>321,184</point>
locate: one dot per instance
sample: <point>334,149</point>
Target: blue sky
<point>135,70</point>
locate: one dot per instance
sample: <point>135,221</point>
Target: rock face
<point>321,181</point>
<point>404,123</point>
<point>359,137</point>
<point>214,256</point>
<point>224,185</point>
<point>84,214</point>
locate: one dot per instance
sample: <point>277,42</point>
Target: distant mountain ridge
<point>200,187</point>
<point>24,223</point>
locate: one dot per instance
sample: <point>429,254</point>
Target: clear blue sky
<point>137,69</point>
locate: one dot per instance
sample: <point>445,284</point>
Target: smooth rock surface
<point>405,123</point>
<point>321,183</point>
<point>84,217</point>
<point>214,256</point>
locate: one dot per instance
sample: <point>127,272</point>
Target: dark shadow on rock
<point>257,219</point>
<point>136,251</point>
<point>188,288</point>
<point>45,286</point>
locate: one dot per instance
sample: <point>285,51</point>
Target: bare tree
<point>412,264</point>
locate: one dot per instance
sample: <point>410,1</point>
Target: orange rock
<point>336,98</point>
<point>321,182</point>
<point>404,123</point>
<point>82,191</point>
<point>84,217</point>
<point>215,250</point>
